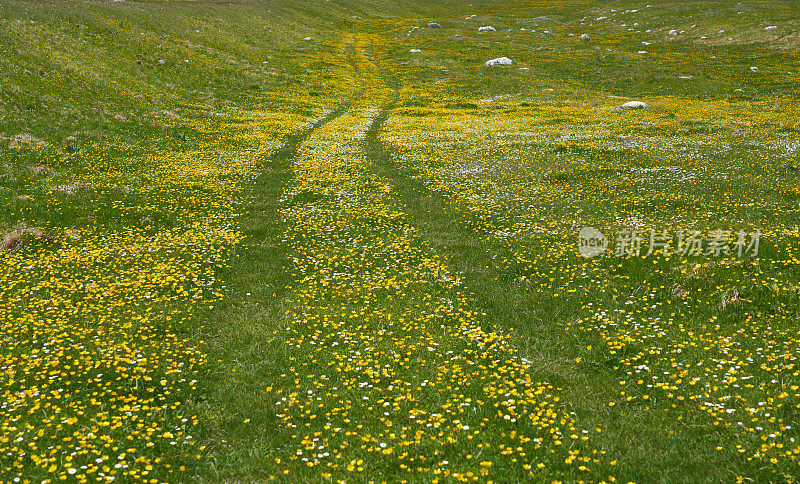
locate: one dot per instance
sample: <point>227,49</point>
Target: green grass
<point>527,319</point>
<point>240,332</point>
<point>224,200</point>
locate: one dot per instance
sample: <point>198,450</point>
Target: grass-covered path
<point>506,306</point>
<point>376,335</point>
<point>237,407</point>
<point>374,363</point>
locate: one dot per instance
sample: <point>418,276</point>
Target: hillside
<point>323,241</point>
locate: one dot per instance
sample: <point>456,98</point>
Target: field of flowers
<point>324,243</point>
<point>110,250</point>
<point>96,359</point>
<point>705,334</point>
<point>388,364</point>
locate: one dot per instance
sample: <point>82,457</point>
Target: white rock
<point>500,61</point>
<point>307,38</point>
<point>585,37</point>
<point>415,50</point>
<point>486,28</point>
<point>634,105</point>
<point>642,52</point>
<point>771,27</point>
<point>434,25</point>
<point>673,32</point>
<point>754,68</point>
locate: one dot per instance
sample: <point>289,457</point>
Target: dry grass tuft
<point>72,188</point>
<point>23,140</point>
<point>679,291</point>
<point>11,242</point>
<point>15,239</point>
<point>40,169</point>
<point>730,296</point>
<point>166,114</point>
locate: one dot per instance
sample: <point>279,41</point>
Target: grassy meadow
<point>319,241</point>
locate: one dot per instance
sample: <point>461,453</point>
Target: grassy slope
<point>140,171</point>
<point>91,71</point>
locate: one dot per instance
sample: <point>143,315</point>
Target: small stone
<point>500,61</point>
<point>634,105</point>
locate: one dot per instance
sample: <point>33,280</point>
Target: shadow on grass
<point>242,333</point>
<point>631,431</point>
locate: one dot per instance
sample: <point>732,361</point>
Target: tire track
<point>241,328</point>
